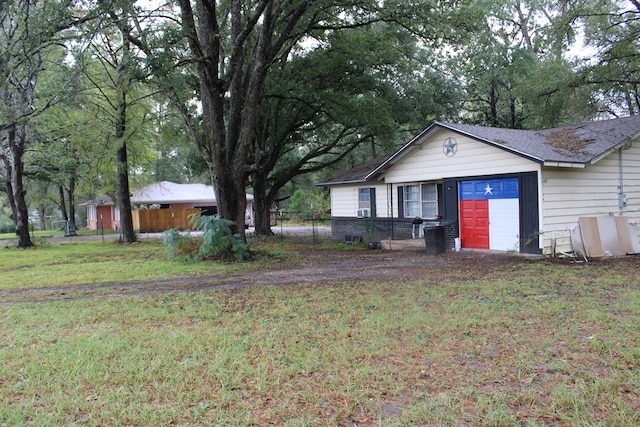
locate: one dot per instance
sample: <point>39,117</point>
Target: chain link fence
<point>294,226</point>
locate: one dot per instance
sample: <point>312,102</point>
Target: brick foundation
<point>377,229</point>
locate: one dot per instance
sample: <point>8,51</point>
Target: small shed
<point>102,214</point>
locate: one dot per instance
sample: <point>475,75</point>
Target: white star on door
<point>488,190</point>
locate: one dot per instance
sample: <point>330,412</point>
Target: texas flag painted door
<point>490,214</point>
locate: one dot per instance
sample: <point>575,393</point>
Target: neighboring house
<point>502,189</point>
<point>102,213</point>
<point>169,195</point>
<point>158,207</point>
<point>175,202</point>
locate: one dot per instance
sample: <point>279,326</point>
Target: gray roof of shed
<point>574,145</point>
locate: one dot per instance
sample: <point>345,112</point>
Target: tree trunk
<point>42,217</point>
<point>9,182</point>
<point>71,222</point>
<point>231,204</point>
<point>16,141</point>
<point>230,100</point>
<point>127,234</point>
<point>262,207</point>
<point>123,79</point>
<point>63,203</point>
<point>493,104</point>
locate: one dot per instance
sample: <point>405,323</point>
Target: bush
<point>309,204</point>
<point>217,242</point>
<point>7,227</point>
<point>180,246</point>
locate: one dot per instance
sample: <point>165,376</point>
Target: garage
<point>489,214</point>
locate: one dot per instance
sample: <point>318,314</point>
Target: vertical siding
<point>473,158</point>
<point>593,191</point>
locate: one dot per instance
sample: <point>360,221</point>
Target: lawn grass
<point>40,234</point>
<point>529,343</point>
<point>86,262</point>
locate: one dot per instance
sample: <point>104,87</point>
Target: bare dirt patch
<point>316,267</point>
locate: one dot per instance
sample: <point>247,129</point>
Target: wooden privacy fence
<point>157,220</point>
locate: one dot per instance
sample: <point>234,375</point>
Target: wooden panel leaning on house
<point>158,220</point>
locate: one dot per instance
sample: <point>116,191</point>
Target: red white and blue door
<point>490,214</point>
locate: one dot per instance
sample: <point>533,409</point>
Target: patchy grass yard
<point>460,342</point>
<point>84,262</point>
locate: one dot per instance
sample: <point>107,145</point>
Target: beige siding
<point>593,191</point>
<point>344,200</point>
<point>472,158</point>
<point>383,206</point>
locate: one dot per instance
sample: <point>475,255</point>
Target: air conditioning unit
<point>363,213</point>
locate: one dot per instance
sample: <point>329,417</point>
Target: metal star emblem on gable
<point>450,146</point>
<point>488,190</point>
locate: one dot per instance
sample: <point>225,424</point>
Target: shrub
<point>7,227</point>
<point>180,246</point>
<point>309,204</point>
<point>218,241</point>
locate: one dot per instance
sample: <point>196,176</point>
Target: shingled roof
<point>360,173</point>
<point>572,146</point>
<point>166,192</point>
<point>583,143</point>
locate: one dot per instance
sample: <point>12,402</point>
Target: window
<point>411,201</point>
<point>364,198</point>
<point>429,200</point>
<point>421,200</point>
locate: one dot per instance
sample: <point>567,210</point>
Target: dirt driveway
<point>317,267</point>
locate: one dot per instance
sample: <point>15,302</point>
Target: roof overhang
<point>97,203</point>
<point>552,164</point>
<point>357,181</point>
<point>627,142</point>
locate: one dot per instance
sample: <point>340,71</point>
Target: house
<point>163,205</point>
<point>169,195</point>
<point>158,207</point>
<point>501,189</point>
<point>102,213</point>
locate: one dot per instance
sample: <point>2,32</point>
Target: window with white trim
<point>429,200</point>
<point>364,198</point>
<point>411,201</point>
<point>421,200</point>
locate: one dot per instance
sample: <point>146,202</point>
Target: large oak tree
<point>351,97</point>
<point>233,44</point>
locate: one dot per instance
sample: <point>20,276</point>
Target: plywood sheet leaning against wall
<point>605,236</point>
